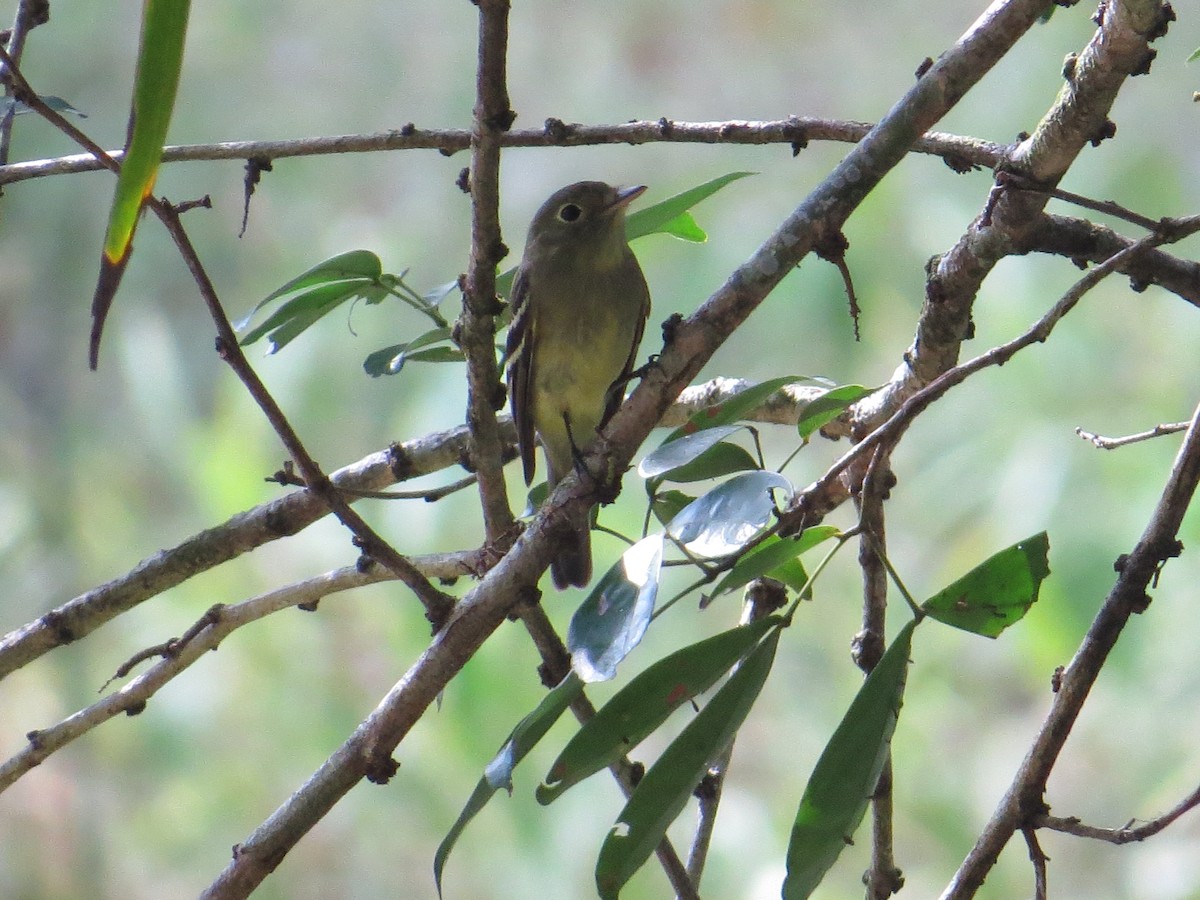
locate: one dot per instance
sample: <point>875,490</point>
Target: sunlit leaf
<point>729,515</point>
<point>845,776</point>
<point>684,227</point>
<point>997,592</point>
<point>613,618</point>
<point>498,773</point>
<point>666,787</point>
<point>654,219</point>
<point>646,702</point>
<point>682,450</point>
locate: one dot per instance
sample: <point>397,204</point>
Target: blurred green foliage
<point>100,470</point>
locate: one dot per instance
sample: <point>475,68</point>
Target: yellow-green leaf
<point>160,58</point>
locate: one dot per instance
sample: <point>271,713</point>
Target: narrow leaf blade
<point>160,59</point>
<point>498,773</point>
<point>770,555</point>
<point>682,450</point>
<point>652,219</point>
<point>665,788</point>
<point>646,702</point>
<point>824,409</point>
<point>845,776</point>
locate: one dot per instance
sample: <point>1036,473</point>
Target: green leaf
<point>997,592</point>
<point>655,219</point>
<point>733,409</point>
<point>160,59</point>
<point>771,558</point>
<point>390,360</point>
<point>498,773</point>
<point>295,315</point>
<point>58,104</point>
<point>729,515</point>
<point>717,461</point>
<point>846,774</point>
<point>666,505</point>
<point>681,451</point>
<point>613,618</point>
<point>664,789</point>
<point>355,266</point>
<point>684,227</point>
<point>646,702</point>
<point>822,410</point>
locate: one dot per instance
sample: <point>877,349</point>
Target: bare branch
<point>1022,803</point>
<point>1125,835</point>
<point>1109,443</point>
<point>1079,117</point>
<point>961,153</point>
<point>476,333</point>
<point>178,655</point>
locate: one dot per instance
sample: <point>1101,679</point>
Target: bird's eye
<point>569,212</point>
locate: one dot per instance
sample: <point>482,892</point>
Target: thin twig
<point>1124,835</point>
<point>30,14</point>
<point>813,500</point>
<point>177,656</point>
<point>1112,443</point>
<point>1022,803</point>
<point>763,597</point>
<point>437,604</point>
<point>883,878</point>
<point>1039,859</point>
<point>962,152</point>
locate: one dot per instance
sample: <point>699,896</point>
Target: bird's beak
<point>625,196</point>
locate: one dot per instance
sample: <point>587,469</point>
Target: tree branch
<point>476,332</point>
<point>1022,803</point>
<point>961,153</point>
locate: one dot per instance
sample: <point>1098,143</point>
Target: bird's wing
<point>616,392</point>
<point>518,349</point>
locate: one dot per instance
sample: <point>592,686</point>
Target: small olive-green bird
<point>580,304</point>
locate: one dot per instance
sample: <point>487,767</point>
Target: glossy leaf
<point>846,774</point>
<point>160,59</point>
<point>997,592</point>
<point>646,702</point>
<point>666,505</point>
<point>822,410</point>
<point>771,557</point>
<point>498,773</point>
<point>682,450</point>
<point>613,618</point>
<point>666,787</point>
<point>729,515</point>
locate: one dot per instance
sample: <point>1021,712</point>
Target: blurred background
<point>99,470</point>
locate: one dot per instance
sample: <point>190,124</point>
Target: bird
<point>580,304</point>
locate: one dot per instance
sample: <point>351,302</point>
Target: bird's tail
<point>573,565</point>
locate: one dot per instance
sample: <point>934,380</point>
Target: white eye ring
<point>569,212</point>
